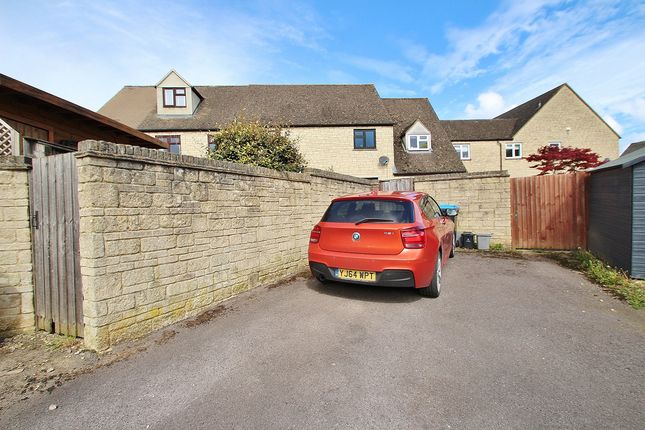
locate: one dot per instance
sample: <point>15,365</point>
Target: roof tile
<point>442,159</point>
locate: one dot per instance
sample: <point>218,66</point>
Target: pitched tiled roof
<point>479,129</point>
<point>296,105</point>
<point>524,112</point>
<point>131,105</point>
<point>626,160</point>
<point>633,147</point>
<point>442,159</point>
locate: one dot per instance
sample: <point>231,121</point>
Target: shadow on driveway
<point>365,293</point>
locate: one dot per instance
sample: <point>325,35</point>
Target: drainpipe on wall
<point>500,155</point>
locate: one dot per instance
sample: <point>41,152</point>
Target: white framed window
<point>463,149</point>
<point>418,142</point>
<point>513,151</point>
<point>555,144</point>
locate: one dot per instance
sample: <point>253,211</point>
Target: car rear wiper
<point>372,220</point>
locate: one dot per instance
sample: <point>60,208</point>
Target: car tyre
<point>434,289</point>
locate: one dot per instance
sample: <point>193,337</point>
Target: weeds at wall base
<point>613,280</point>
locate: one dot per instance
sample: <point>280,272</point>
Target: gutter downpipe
<point>499,142</point>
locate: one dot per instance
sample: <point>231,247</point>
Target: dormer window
<point>174,97</point>
<point>418,142</point>
<point>417,138</point>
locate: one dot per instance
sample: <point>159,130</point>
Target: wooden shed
<point>27,112</point>
<point>617,213</point>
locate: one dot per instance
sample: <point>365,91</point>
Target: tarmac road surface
<point>510,343</point>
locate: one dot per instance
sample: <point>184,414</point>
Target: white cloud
<point>527,48</point>
<point>633,107</point>
<point>613,123</point>
<point>393,90</point>
<point>628,139</point>
<point>101,46</point>
<point>470,47</point>
<point>489,104</point>
<point>389,69</point>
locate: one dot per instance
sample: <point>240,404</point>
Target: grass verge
<point>62,342</point>
<point>613,280</point>
<point>499,251</point>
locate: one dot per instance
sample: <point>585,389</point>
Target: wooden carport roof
<point>23,102</point>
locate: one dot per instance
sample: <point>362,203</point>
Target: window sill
<point>364,149</point>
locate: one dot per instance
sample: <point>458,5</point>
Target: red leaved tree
<point>552,159</point>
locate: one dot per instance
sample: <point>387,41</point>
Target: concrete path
<point>509,344</point>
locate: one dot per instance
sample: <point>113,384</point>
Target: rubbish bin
<point>451,211</point>
<point>468,240</point>
<point>483,240</point>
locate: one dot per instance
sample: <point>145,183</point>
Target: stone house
<point>350,129</point>
<point>347,129</point>
<point>558,117</point>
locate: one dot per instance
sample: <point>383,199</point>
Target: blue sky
<point>472,59</point>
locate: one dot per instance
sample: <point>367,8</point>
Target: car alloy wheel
<point>438,269</point>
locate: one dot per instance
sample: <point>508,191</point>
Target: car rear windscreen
<point>374,211</point>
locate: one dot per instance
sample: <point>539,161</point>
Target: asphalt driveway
<point>509,344</point>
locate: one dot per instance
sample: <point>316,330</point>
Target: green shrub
<point>614,280</point>
<point>257,144</point>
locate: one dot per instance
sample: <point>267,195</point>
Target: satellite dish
<point>383,160</point>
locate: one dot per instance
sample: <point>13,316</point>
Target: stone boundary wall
<point>16,286</point>
<point>165,236</point>
<point>484,199</point>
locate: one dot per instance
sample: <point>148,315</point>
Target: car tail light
<point>413,238</point>
<point>315,235</point>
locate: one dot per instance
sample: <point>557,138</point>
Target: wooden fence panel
<point>549,212</point>
<point>401,184</point>
<point>55,219</point>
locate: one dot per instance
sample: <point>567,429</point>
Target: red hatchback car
<point>394,239</point>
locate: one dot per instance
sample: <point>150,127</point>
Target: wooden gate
<point>55,232</point>
<point>549,212</point>
<point>401,184</point>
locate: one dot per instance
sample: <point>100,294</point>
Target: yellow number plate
<point>356,275</point>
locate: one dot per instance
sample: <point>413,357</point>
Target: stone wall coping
<point>473,175</point>
<point>109,150</point>
<point>340,177</point>
<point>12,162</point>
<point>102,149</point>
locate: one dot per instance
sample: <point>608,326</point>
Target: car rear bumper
<point>386,278</point>
<point>410,268</point>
